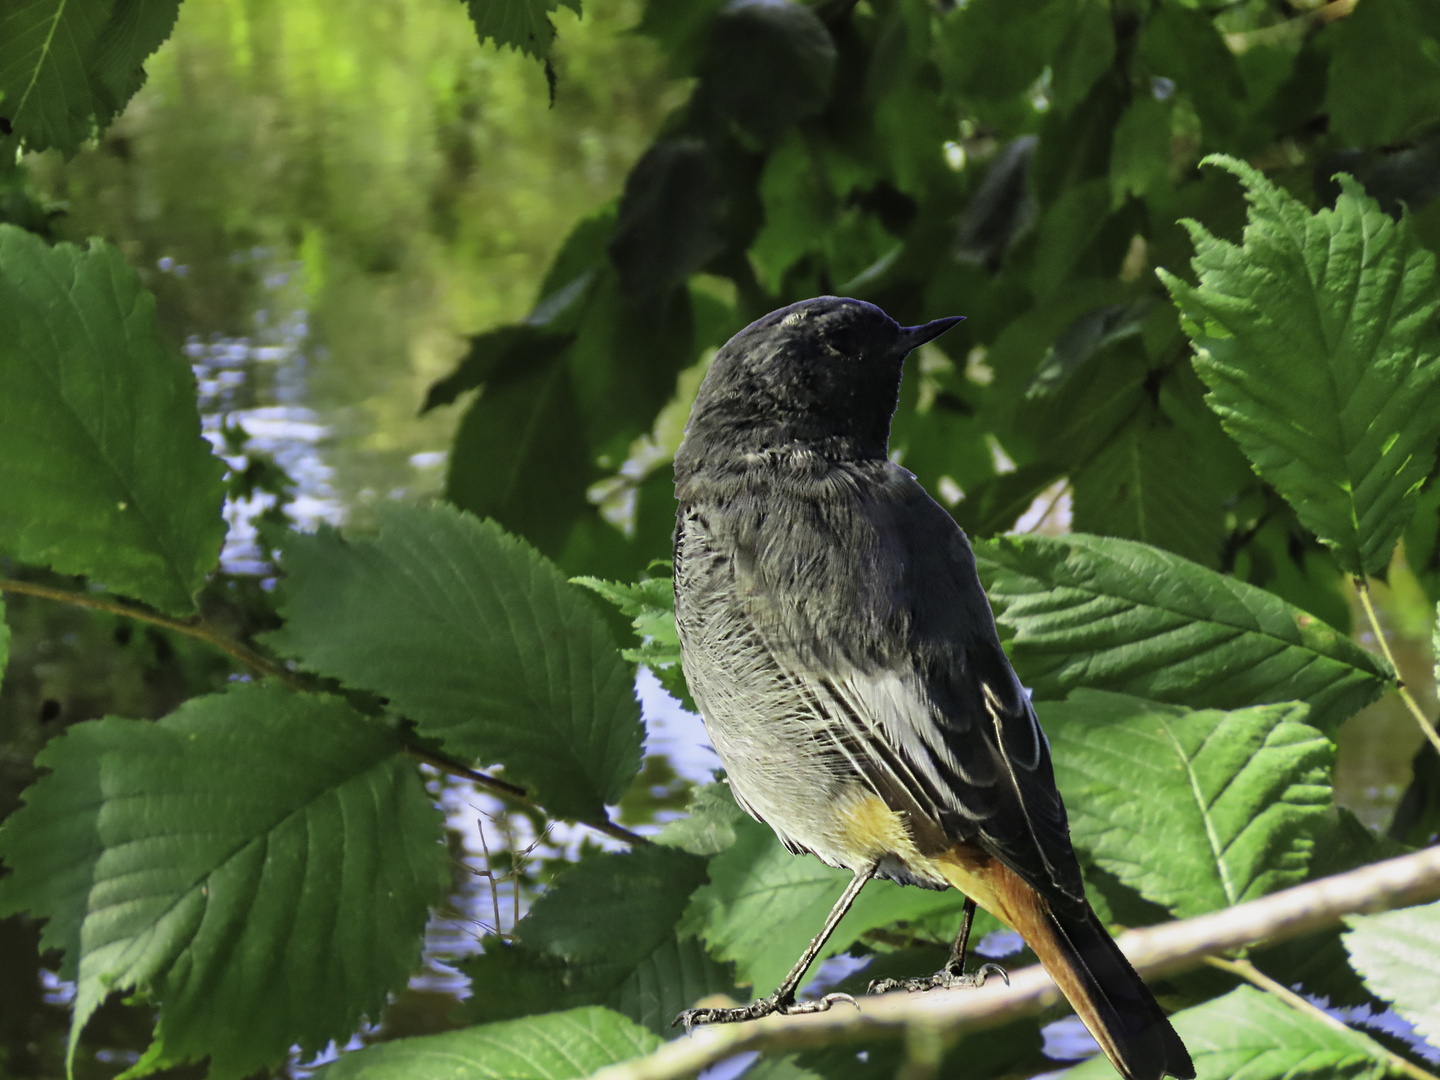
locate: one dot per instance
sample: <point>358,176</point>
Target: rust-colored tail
<point>1087,966</point>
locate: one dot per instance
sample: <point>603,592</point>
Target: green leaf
<point>521,436</point>
<point>671,218</point>
<point>1140,149</point>
<point>680,29</point>
<point>798,206</point>
<point>1085,54</point>
<point>1184,45</point>
<point>651,607</point>
<point>710,822</point>
<point>1197,810</point>
<point>1373,51</point>
<point>103,470</point>
<point>1066,231</point>
<point>521,24</point>
<point>4,642</point>
<point>995,49</point>
<point>994,505</point>
<point>67,67</point>
<point>1145,484</point>
<point>1398,953</point>
<point>477,638</point>
<point>763,905</point>
<point>1116,615</point>
<point>260,862</point>
<point>603,934</point>
<point>1320,345</point>
<point>1257,1036</point>
<point>770,65</point>
<point>1085,338</point>
<point>560,1046</point>
<point>496,356</point>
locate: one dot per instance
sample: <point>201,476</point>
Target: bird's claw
<point>758,1008</point>
<point>941,980</point>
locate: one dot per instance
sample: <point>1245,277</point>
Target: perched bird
<point>839,645</point>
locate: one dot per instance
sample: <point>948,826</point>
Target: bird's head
<point>823,374</point>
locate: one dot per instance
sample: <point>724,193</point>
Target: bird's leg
<point>952,975</point>
<point>783,999</point>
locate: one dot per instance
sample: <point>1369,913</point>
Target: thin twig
<point>489,873</point>
<point>618,831</point>
<point>1154,951</point>
<point>1362,587</point>
<point>1253,975</point>
<point>196,627</point>
<point>448,765</point>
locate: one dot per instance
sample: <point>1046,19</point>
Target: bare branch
<point>1155,951</point>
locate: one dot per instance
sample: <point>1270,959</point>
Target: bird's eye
<point>847,340</point>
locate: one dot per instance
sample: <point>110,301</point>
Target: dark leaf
<point>671,219</point>
<point>771,64</point>
<point>473,635</point>
<point>259,862</point>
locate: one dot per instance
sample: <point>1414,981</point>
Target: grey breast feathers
<point>857,598</point>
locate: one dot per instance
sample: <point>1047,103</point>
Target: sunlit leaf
<point>1398,954</point>
<point>1198,810</point>
<point>1110,614</point>
<point>651,606</point>
<point>1254,1035</point>
<point>1320,343</point>
<point>258,862</point>
<point>560,1046</point>
<point>103,470</point>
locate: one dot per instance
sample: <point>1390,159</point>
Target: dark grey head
<point>824,373</point>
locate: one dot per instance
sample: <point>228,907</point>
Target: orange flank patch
<point>875,830</point>
<point>992,885</point>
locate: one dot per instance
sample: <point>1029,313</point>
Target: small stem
<point>1362,588</point>
<point>451,767</point>
<point>1253,975</point>
<point>618,831</point>
<point>197,628</point>
<point>194,627</point>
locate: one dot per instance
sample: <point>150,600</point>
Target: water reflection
<point>251,396</point>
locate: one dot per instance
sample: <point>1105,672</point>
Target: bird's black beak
<point>912,337</point>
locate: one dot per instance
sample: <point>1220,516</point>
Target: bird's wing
<point>914,685</point>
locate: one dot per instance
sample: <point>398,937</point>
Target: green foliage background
<point>1190,417</point>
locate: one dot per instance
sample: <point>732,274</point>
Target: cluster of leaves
<point>1236,435</point>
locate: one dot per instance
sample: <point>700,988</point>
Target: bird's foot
<point>758,1008</point>
<point>944,979</point>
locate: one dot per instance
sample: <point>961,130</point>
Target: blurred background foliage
<point>410,185</point>
<point>406,265</point>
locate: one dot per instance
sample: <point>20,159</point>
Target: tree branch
<point>196,627</point>
<point>1155,951</point>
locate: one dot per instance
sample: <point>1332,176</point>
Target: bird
<point>844,657</point>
